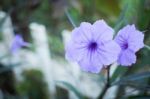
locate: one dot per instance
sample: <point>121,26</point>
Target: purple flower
<point>17,43</point>
<point>92,47</point>
<point>130,41</point>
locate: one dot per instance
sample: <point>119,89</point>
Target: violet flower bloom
<point>17,43</point>
<point>130,41</point>
<point>92,47</point>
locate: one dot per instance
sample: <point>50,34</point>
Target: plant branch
<point>70,18</point>
<point>148,47</point>
<point>107,85</point>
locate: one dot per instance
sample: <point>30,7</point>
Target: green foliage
<point>131,13</point>
<point>133,77</point>
<point>43,14</point>
<point>33,85</point>
<point>144,13</point>
<point>57,46</point>
<point>118,73</point>
<point>134,12</point>
<point>61,93</point>
<point>9,67</point>
<point>73,89</point>
<point>117,13</point>
<point>7,82</point>
<point>109,10</point>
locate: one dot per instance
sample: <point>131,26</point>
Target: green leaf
<point>120,20</point>
<point>118,73</point>
<point>70,18</point>
<point>138,97</point>
<point>133,77</point>
<point>72,88</point>
<point>11,66</point>
<point>146,46</point>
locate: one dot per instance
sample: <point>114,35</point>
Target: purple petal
<point>102,31</point>
<point>75,51</point>
<point>109,52</point>
<point>14,48</point>
<point>92,46</point>
<point>17,43</point>
<point>25,44</point>
<point>18,39</point>
<point>91,63</point>
<point>136,43</point>
<point>127,58</point>
<point>82,33</point>
<point>130,35</point>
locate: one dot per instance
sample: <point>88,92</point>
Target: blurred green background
<point>51,13</point>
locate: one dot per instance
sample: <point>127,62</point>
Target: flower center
<point>125,46</point>
<point>92,46</point>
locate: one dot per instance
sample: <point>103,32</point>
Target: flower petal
<point>14,48</point>
<point>82,33</point>
<point>75,51</point>
<point>127,58</point>
<point>109,52</point>
<point>91,63</point>
<point>17,43</point>
<point>133,37</point>
<point>102,31</point>
<point>136,43</point>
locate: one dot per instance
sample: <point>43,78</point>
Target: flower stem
<point>107,85</point>
<point>69,18</point>
<point>146,46</point>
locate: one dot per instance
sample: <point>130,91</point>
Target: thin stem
<point>69,18</point>
<point>108,78</point>
<point>107,85</point>
<point>146,46</point>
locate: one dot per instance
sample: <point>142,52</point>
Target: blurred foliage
<point>61,93</point>
<point>72,88</point>
<point>56,46</point>
<point>33,85</point>
<point>51,14</point>
<point>117,13</point>
<point>7,81</point>
<point>135,12</point>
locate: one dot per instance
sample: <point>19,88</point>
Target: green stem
<point>146,46</point>
<point>107,85</point>
<point>69,18</point>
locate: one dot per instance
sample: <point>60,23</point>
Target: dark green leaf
<point>70,18</point>
<point>9,67</point>
<point>72,88</point>
<point>120,20</point>
<point>118,73</point>
<point>133,77</point>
